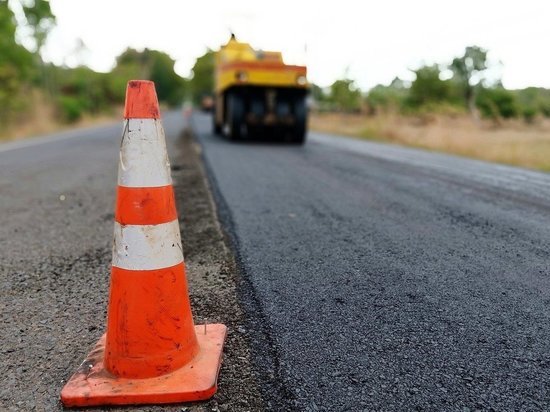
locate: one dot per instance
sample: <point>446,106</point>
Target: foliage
<point>529,113</point>
<point>386,98</point>
<point>40,19</point>
<point>344,96</point>
<point>468,71</point>
<point>316,92</point>
<point>534,101</point>
<point>170,86</point>
<point>79,91</point>
<point>16,65</point>
<point>71,108</point>
<point>428,88</point>
<point>496,103</point>
<point>152,65</point>
<point>429,93</point>
<point>202,78</point>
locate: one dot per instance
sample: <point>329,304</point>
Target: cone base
<point>92,385</point>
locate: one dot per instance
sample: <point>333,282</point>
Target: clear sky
<point>371,42</point>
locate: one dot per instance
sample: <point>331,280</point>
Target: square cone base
<point>197,380</point>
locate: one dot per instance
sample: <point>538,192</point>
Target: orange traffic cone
<point>152,352</point>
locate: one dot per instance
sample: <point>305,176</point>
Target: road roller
<point>257,94</point>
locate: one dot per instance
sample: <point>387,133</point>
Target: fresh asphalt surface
<point>389,278</point>
<point>374,277</point>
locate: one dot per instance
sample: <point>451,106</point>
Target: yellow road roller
<point>257,94</point>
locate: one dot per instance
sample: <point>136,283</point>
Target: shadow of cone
<point>152,353</point>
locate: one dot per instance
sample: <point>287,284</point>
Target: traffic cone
<point>152,352</point>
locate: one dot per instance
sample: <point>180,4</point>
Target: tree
<point>202,80</point>
<point>391,97</point>
<point>40,19</point>
<point>16,64</point>
<point>497,103</point>
<point>39,22</point>
<point>428,87</point>
<point>344,95</point>
<point>468,73</point>
<point>534,99</point>
<point>170,86</point>
<point>152,65</point>
<point>317,93</point>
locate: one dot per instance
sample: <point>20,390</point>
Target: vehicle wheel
<point>216,128</point>
<point>300,125</point>
<point>234,127</point>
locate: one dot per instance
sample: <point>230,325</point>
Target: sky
<point>369,42</point>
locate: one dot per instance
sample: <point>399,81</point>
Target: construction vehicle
<point>256,93</point>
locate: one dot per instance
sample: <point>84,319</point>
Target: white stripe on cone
<point>143,156</point>
<point>147,247</point>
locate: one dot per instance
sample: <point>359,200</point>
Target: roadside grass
<point>41,118</point>
<point>509,142</point>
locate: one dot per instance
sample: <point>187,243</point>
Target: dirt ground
<point>48,320</point>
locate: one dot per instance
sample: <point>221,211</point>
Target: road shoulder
<point>213,280</point>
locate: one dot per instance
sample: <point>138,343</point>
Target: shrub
<point>428,88</point>
<point>71,108</point>
<point>497,103</point>
<point>545,109</point>
<point>529,113</point>
<point>387,98</point>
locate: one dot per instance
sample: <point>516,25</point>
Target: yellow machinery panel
<point>238,64</point>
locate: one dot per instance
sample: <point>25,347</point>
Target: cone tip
<point>141,100</point>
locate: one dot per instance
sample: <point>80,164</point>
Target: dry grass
<point>511,142</point>
<point>41,118</point>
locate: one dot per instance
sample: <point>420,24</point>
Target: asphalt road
<point>57,191</point>
<point>373,277</point>
<point>388,279</point>
<point>56,228</point>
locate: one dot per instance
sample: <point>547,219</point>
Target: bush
<point>533,99</point>
<point>71,108</point>
<point>387,98</point>
<point>529,113</point>
<point>344,96</point>
<point>428,88</point>
<point>497,103</point>
<point>545,109</point>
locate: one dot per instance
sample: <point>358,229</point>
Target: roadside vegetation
<point>39,97</point>
<point>453,107</point>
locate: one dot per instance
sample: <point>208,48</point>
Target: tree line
<point>459,87</point>
<point>74,92</point>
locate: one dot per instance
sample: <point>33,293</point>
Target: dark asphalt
<point>388,279</point>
